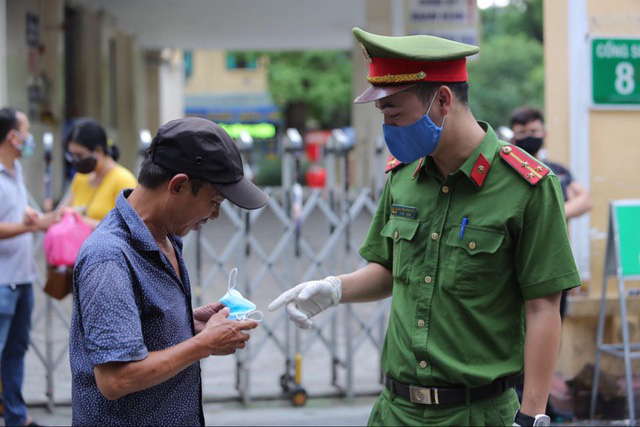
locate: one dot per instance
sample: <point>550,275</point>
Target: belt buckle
<point>423,395</point>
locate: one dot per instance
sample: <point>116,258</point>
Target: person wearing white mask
<point>17,268</point>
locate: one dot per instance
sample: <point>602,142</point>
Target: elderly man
<point>468,239</point>
<point>135,342</point>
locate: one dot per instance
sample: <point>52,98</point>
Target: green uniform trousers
<point>398,411</point>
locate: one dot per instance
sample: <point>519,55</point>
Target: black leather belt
<point>445,395</point>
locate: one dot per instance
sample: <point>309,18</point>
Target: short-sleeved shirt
<point>563,174</point>
<point>457,313</point>
<point>98,201</point>
<point>129,301</point>
<point>16,254</point>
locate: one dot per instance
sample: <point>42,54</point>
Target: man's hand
<point>223,336</point>
<point>30,218</point>
<point>308,299</point>
<point>201,315</point>
<point>47,220</point>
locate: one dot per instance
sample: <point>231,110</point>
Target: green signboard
<point>627,216</point>
<point>615,71</point>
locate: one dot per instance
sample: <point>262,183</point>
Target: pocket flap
<point>400,228</point>
<point>476,240</point>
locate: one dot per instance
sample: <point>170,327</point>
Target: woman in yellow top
<point>99,178</point>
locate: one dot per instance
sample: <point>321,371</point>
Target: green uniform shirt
<point>457,313</point>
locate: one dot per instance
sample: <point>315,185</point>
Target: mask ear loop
<point>257,315</point>
<point>232,278</point>
<point>431,103</point>
<point>429,109</point>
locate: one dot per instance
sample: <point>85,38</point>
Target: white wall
<point>171,76</point>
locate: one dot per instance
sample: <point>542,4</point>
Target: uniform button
<point>421,323</point>
<point>423,364</point>
<point>395,234</point>
<point>434,236</point>
<point>472,245</point>
<point>427,279</point>
<point>445,189</point>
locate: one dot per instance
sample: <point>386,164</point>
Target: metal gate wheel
<point>298,397</point>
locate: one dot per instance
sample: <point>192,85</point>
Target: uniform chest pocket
<point>402,231</point>
<point>471,262</point>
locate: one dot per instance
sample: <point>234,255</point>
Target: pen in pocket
<point>465,220</point>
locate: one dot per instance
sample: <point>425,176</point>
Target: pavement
<point>317,412</point>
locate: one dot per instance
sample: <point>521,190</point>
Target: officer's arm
<point>578,202</point>
<point>542,344</point>
<point>371,283</point>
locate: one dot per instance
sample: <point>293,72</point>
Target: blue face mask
<point>28,146</point>
<point>410,143</point>
<point>240,308</point>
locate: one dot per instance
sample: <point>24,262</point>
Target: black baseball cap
<point>203,150</point>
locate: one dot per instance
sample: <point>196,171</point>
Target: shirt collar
<point>477,164</point>
<point>16,169</point>
<point>476,167</point>
<point>140,234</point>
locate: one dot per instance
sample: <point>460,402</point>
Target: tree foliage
<point>509,71</point>
<point>518,17</point>
<point>318,81</point>
<point>508,74</point>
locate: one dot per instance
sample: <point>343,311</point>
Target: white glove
<point>308,299</point>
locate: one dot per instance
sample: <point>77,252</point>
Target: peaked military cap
<point>397,63</point>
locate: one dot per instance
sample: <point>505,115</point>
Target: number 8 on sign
<point>625,83</point>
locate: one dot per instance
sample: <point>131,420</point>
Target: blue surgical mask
<point>28,146</point>
<point>410,143</point>
<point>240,308</point>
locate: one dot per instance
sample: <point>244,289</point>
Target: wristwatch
<point>524,420</point>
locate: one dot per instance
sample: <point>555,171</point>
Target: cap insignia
<point>397,78</point>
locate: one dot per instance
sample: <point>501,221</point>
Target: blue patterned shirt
<point>128,301</point>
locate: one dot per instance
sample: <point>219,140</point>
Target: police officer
<point>469,240</point>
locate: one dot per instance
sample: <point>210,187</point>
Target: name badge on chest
<point>408,212</point>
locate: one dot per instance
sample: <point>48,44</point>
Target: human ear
<point>178,184</point>
<point>444,98</point>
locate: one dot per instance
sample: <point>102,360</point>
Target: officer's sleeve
<point>544,261</point>
<point>377,248</point>
<point>112,330</point>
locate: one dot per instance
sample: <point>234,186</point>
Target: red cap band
<point>388,71</point>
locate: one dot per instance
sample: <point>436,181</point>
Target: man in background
<point>17,267</point>
<point>529,133</point>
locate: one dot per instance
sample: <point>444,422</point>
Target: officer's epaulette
<point>528,167</point>
<point>392,163</point>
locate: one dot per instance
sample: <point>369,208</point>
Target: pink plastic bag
<point>64,239</point>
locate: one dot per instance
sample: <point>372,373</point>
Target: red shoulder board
<point>524,164</point>
<point>392,163</point>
